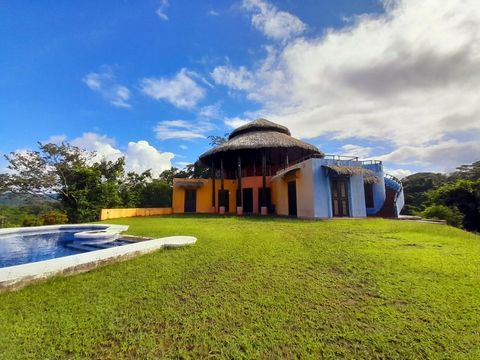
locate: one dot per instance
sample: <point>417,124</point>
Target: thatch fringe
<point>260,134</point>
<point>371,179</point>
<point>369,176</point>
<point>259,125</point>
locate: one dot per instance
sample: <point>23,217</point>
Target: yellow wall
<point>106,214</point>
<point>304,184</point>
<point>204,195</point>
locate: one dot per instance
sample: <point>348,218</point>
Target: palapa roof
<point>261,134</point>
<point>369,176</point>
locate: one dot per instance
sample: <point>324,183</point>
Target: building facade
<point>261,169</point>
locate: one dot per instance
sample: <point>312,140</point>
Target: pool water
<point>22,248</point>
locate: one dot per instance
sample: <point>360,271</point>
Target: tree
<point>66,174</point>
<point>132,187</point>
<point>216,140</point>
<point>415,189</point>
<point>156,193</point>
<point>452,215</point>
<point>463,195</point>
<point>470,172</point>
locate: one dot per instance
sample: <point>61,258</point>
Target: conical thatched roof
<point>262,134</point>
<point>259,125</point>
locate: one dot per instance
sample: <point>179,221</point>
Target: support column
<point>214,207</point>
<point>222,188</point>
<point>263,208</point>
<point>239,186</point>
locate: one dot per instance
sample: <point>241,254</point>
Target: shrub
<point>54,217</point>
<point>452,215</point>
<point>32,220</point>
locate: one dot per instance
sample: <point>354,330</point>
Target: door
<point>292,198</point>
<point>226,199</point>
<point>269,199</point>
<point>340,197</point>
<point>247,200</point>
<point>190,201</point>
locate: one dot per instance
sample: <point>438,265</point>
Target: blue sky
<point>149,80</point>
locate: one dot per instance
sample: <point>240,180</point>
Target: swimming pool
<point>32,254</point>
<point>43,244</point>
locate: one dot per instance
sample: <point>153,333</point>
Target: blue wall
<point>322,200</point>
<point>378,189</point>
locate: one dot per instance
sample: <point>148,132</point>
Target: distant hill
<point>8,199</point>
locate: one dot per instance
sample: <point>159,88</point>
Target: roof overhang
<point>188,184</point>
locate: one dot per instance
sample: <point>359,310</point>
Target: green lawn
<point>262,288</point>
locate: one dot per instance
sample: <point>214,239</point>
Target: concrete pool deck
<point>17,276</point>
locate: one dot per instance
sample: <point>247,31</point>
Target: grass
<point>262,288</point>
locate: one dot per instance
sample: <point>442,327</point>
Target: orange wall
<point>106,214</point>
<point>204,194</point>
<point>304,184</point>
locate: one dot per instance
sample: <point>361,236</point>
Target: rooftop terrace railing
<point>336,157</point>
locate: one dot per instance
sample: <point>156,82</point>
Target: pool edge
<point>18,276</point>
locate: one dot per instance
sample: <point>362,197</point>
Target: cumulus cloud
<point>180,90</point>
<point>273,23</point>
<point>356,150</point>
<point>236,79</point>
<point>182,129</point>
<point>210,111</point>
<point>409,77</point>
<point>235,122</point>
<point>55,139</point>
<point>139,156</point>
<point>161,10</point>
<point>443,156</point>
<point>101,144</point>
<point>398,173</point>
<point>104,83</point>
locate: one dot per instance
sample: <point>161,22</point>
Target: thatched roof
<point>259,125</point>
<point>349,170</point>
<point>371,179</point>
<point>260,134</point>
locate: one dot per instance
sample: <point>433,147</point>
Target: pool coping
<point>18,276</point>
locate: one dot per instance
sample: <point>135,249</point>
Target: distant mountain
<point>9,199</point>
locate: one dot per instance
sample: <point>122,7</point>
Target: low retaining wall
<point>106,214</point>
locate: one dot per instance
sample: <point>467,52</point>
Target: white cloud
<point>237,79</point>
<point>357,150</point>
<point>444,156</point>
<point>409,77</point>
<point>183,147</point>
<point>235,122</point>
<point>105,84</point>
<point>180,90</point>
<point>139,156</point>
<point>213,13</point>
<point>161,10</point>
<point>273,23</point>
<point>210,111</point>
<point>101,144</point>
<point>55,139</point>
<point>181,129</point>
<point>398,173</point>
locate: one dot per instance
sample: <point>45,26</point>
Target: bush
<point>54,217</point>
<point>32,220</point>
<point>442,212</point>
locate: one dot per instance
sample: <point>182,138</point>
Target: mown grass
<point>262,288</point>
